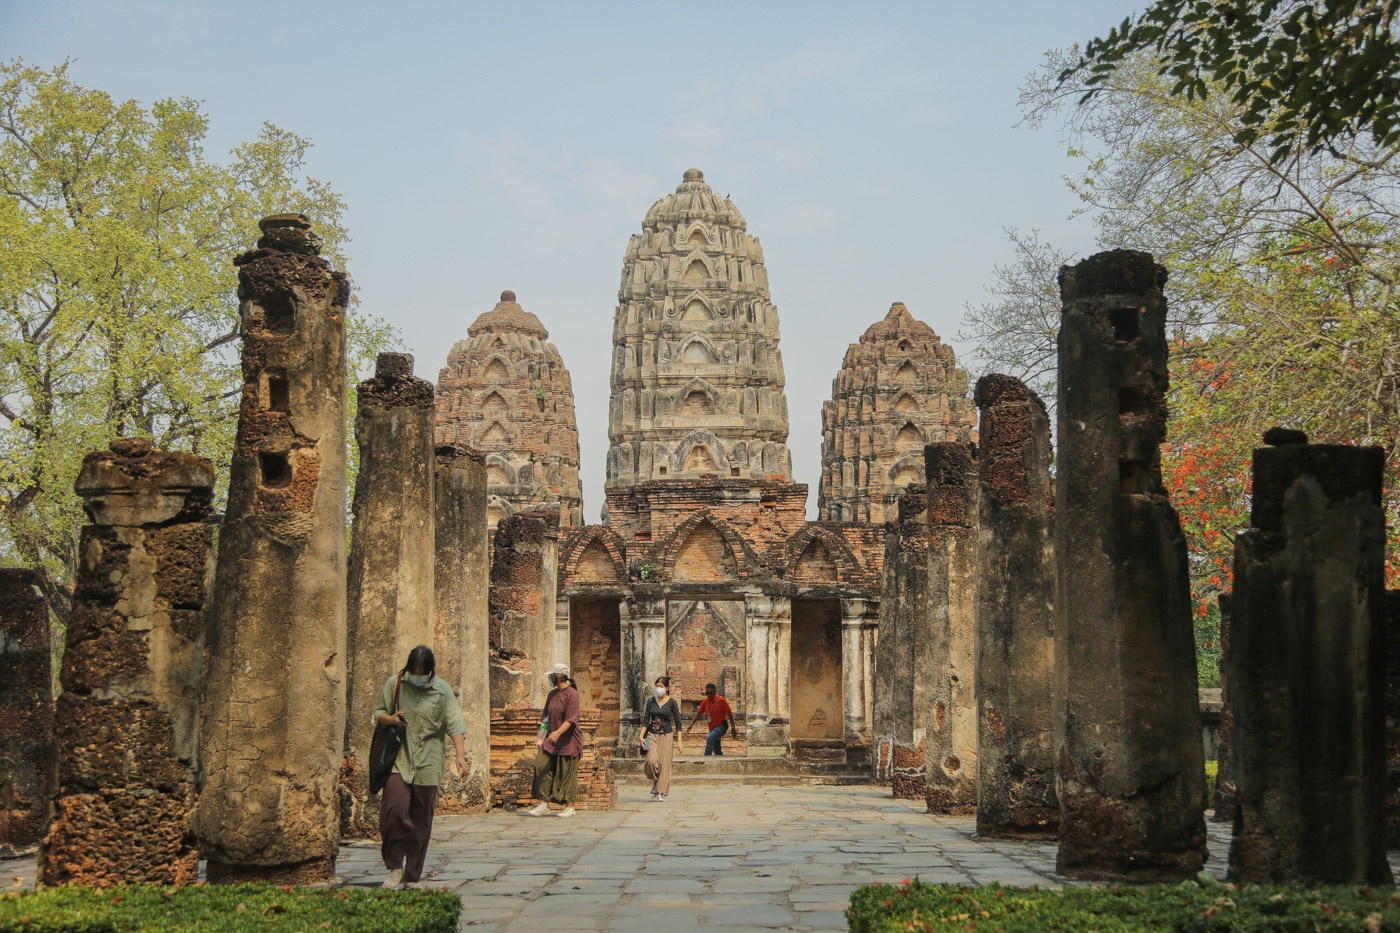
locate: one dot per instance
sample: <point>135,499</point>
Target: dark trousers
<point>556,778</point>
<point>405,824</point>
<point>712,740</point>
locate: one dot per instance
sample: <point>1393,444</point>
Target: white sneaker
<point>660,798</point>
<point>653,793</point>
<point>394,880</point>
<point>539,809</point>
<point>567,811</point>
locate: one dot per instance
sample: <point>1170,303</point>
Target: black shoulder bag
<point>384,747</point>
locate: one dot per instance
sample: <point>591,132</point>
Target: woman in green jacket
<point>428,707</point>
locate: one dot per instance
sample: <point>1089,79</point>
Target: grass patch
<point>233,908</point>
<point>1212,771</point>
<point>1205,905</point>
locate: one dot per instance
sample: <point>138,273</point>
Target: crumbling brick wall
<point>513,752</point>
<point>125,748</point>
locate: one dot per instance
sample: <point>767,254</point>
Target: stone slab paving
<point>745,857</point>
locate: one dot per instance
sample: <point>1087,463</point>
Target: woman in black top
<point>662,738</point>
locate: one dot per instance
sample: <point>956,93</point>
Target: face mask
<point>419,680</point>
<point>661,691</point>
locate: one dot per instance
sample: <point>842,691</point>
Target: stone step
<point>777,771</point>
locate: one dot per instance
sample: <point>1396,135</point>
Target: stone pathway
<point>729,855</point>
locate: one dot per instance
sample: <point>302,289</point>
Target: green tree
<point>118,312</point>
<point>1309,74</point>
<point>1282,284</point>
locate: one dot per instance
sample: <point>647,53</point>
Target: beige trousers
<point>663,749</point>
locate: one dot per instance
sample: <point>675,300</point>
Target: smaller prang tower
<point>505,392</point>
<point>898,390</point>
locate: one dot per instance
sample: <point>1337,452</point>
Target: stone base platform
<point>728,769</point>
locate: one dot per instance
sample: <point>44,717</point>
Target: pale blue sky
<point>517,145</point>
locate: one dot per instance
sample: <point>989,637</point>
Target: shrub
<point>1212,770</point>
<point>226,909</point>
<point>1203,905</point>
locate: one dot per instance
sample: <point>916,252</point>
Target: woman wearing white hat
<point>560,745</point>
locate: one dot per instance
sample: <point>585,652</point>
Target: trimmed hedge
<point>1204,905</point>
<point>233,908</point>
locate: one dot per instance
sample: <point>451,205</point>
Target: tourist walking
<point>424,702</point>
<point>560,745</point>
<point>662,738</point>
<point>721,719</point>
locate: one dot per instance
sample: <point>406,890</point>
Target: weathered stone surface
<point>1307,670</point>
<point>1015,615</point>
<point>950,773</point>
<point>902,651</point>
<point>1225,775</point>
<point>697,377</point>
<point>461,575</point>
<point>1392,715</point>
<point>899,389</point>
<point>390,581</point>
<point>524,567</point>
<point>124,761</point>
<point>274,708</point>
<point>1131,775</point>
<point>505,392</point>
<point>26,708</point>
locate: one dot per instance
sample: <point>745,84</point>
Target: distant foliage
<point>1208,646</point>
<point>118,307</point>
<point>1306,75</point>
<point>1282,289</point>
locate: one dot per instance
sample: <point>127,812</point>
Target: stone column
<point>1015,615</point>
<point>1307,668</point>
<point>768,622</point>
<point>950,768</point>
<point>1392,715</point>
<point>524,562</point>
<point>390,582</point>
<point>887,650</point>
<point>274,705</point>
<point>1131,768</point>
<point>1225,779</point>
<point>461,578</point>
<point>858,627</point>
<point>905,608</point>
<point>26,709</point>
<point>126,732</point>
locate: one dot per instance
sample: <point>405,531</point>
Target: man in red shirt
<point>721,719</point>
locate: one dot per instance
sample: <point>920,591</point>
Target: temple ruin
<point>1015,637</point>
<point>390,579</point>
<point>126,732</point>
<point>505,392</point>
<point>899,390</point>
<point>461,582</point>
<point>26,709</point>
<point>1307,668</point>
<point>950,714</point>
<point>959,624</point>
<point>274,700</point>
<point>1131,762</point>
<point>705,567</point>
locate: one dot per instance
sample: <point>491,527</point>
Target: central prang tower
<point>697,377</point>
